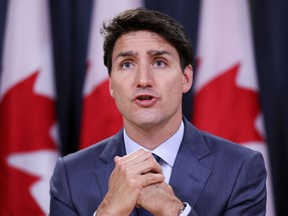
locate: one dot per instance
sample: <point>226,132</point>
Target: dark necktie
<point>157,158</point>
<point>141,211</point>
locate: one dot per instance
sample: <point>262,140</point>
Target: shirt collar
<point>167,150</point>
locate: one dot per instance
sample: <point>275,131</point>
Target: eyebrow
<point>158,52</point>
<point>124,54</point>
<point>150,52</point>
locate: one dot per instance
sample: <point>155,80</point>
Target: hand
<point>131,174</point>
<point>159,199</point>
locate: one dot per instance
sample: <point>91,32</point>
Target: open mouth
<point>144,97</point>
<point>145,100</point>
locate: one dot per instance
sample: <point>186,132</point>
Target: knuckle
<point>122,168</point>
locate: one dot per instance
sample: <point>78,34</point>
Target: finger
<point>138,162</point>
<point>116,159</point>
<point>138,155</point>
<point>150,179</point>
<point>149,165</point>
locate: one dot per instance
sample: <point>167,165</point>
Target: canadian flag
<point>226,88</point>
<point>27,111</point>
<point>100,118</point>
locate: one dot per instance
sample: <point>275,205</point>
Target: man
<point>149,57</point>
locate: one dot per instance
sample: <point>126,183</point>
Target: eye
<point>126,65</point>
<point>160,64</point>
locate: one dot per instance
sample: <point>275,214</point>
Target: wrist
<point>176,209</point>
<point>106,209</point>
<point>103,209</point>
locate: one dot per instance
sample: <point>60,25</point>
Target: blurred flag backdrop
<point>81,80</point>
<point>227,101</point>
<point>27,111</point>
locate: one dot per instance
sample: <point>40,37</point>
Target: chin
<point>145,118</point>
<point>148,121</point>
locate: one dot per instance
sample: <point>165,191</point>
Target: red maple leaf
<point>25,122</point>
<point>227,110</point>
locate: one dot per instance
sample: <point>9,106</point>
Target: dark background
<point>70,23</point>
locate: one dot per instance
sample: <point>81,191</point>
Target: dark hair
<point>153,21</point>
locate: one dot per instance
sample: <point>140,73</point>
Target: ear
<point>187,78</point>
<point>110,88</point>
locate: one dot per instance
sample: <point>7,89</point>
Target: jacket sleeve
<point>249,193</point>
<point>60,200</point>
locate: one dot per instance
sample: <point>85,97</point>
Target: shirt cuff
<point>186,210</point>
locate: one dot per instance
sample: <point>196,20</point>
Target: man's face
<point>146,80</point>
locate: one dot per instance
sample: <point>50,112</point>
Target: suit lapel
<point>189,175</point>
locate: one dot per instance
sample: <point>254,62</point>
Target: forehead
<point>137,41</point>
<point>141,34</point>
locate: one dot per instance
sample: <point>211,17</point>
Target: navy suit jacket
<point>215,176</point>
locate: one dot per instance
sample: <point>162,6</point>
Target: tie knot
<point>157,158</point>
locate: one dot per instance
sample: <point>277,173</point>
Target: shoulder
<point>215,144</point>
<point>99,153</point>
<point>215,147</point>
<point>87,153</point>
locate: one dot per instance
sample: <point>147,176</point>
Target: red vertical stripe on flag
<point>226,88</point>
<point>100,118</point>
<point>27,112</point>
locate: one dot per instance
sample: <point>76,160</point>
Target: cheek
<point>174,90</point>
<point>118,98</point>
<point>177,85</point>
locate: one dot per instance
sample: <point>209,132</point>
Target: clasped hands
<point>137,181</point>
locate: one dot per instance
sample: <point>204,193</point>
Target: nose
<point>144,77</point>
